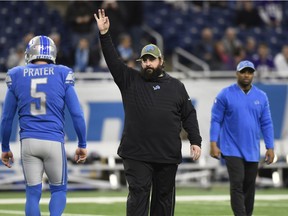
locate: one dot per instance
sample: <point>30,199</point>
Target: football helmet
<point>40,47</point>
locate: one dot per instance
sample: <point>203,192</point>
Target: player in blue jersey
<point>39,92</point>
<point>239,114</point>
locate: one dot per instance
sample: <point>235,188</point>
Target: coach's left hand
<point>195,152</point>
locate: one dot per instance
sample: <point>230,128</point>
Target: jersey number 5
<point>38,95</point>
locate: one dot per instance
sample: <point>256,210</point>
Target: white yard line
<point>20,213</point>
<point>108,200</point>
<point>227,197</point>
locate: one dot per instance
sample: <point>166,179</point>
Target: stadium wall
<point>103,110</point>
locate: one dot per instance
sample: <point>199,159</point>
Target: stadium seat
<point>177,27</point>
<point>25,22</point>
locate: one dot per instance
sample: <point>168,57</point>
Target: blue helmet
<point>42,48</point>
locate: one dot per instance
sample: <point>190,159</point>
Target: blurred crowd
<point>226,50</point>
<point>80,50</point>
<point>221,52</point>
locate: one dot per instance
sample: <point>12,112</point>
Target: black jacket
<point>154,112</point>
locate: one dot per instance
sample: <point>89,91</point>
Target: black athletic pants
<point>242,177</point>
<point>140,177</point>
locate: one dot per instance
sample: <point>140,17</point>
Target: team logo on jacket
<point>256,102</point>
<point>157,87</point>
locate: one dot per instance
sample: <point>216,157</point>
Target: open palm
<point>102,21</point>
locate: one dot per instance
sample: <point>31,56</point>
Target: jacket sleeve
<point>217,116</point>
<point>77,115</point>
<point>189,119</point>
<point>122,74</point>
<point>267,126</point>
<point>8,113</point>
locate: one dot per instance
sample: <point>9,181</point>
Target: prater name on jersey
<point>38,71</point>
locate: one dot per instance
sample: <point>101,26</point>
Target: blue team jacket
<point>237,120</point>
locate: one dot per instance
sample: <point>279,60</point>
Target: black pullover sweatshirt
<point>155,112</point>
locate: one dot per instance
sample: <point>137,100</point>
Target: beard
<point>244,84</point>
<point>150,74</point>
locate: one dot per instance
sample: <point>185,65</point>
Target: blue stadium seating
<point>178,27</point>
<point>28,16</point>
<point>183,28</point>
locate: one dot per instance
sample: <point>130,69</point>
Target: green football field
<point>189,201</point>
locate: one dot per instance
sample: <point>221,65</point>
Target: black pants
<point>140,177</point>
<point>242,177</point>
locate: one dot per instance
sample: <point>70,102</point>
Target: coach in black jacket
<point>156,107</point>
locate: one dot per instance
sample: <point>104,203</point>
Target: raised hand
<point>102,21</point>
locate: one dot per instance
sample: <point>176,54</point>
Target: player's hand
<point>195,152</point>
<point>7,158</point>
<point>215,151</point>
<point>102,21</point>
<point>80,155</point>
<point>269,156</point>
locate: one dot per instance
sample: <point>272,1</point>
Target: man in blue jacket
<point>239,114</point>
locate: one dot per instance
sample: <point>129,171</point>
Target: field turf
<point>189,202</point>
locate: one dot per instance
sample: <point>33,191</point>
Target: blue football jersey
<point>40,91</point>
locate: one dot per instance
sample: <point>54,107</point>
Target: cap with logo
<point>150,49</point>
<point>245,64</point>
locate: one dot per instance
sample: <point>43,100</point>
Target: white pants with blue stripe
<point>39,156</point>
